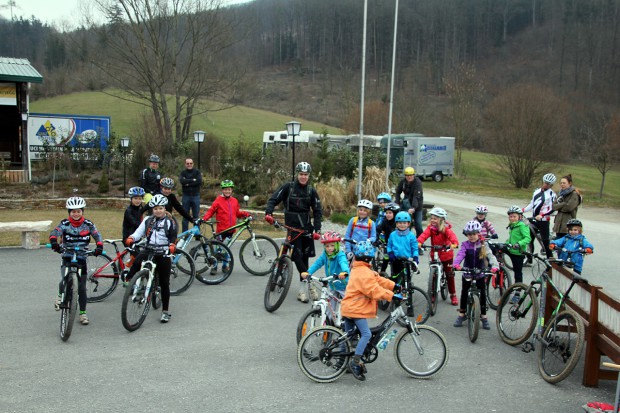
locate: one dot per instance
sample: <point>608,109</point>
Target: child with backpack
<point>335,262</point>
<point>572,242</point>
<point>360,227</point>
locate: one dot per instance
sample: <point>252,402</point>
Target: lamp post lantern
<point>124,146</point>
<point>292,129</point>
<point>199,137</point>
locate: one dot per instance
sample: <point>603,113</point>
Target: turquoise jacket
<point>403,244</point>
<point>333,265</point>
<point>518,233</point>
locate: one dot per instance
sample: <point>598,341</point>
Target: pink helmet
<point>330,236</point>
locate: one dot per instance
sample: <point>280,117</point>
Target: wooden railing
<point>13,176</point>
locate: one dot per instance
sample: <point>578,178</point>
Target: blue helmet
<point>403,216</point>
<point>384,195</point>
<point>364,250</point>
<point>135,191</point>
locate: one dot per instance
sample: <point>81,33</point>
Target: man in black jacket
<point>150,177</point>
<point>191,181</point>
<point>412,199</point>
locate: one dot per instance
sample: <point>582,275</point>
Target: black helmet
<point>574,223</point>
<point>154,158</point>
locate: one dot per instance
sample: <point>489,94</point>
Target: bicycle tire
<point>135,305</point>
<point>494,294</point>
<point>432,290</point>
<point>422,353</point>
<point>258,264</point>
<point>421,306</point>
<point>182,274</point>
<point>444,288</point>
<point>278,284</point>
<point>561,345</point>
<point>207,258</point>
<point>516,322</point>
<point>102,277</point>
<point>155,293</point>
<point>310,320</point>
<point>315,358</point>
<point>384,304</point>
<point>68,305</point>
<point>473,318</point>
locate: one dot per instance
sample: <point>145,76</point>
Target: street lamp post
<point>292,129</point>
<point>124,146</point>
<point>199,137</point>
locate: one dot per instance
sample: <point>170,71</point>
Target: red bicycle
<point>104,272</point>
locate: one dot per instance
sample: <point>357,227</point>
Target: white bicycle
<point>324,312</point>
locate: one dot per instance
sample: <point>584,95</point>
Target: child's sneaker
<point>485,324</point>
<point>57,303</point>
<point>165,317</point>
<point>460,320</point>
<point>357,369</point>
<point>213,271</point>
<point>224,268</point>
<point>454,300</point>
<point>84,319</point>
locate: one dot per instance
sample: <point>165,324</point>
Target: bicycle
<point>437,280</point>
<point>472,312</point>
<point>497,283</point>
<point>205,258</point>
<point>281,272</point>
<point>561,337</point>
<point>324,311</point>
<point>143,291</point>
<point>256,253</point>
<point>421,351</point>
<point>380,254</point>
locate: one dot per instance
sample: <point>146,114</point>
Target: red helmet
<point>330,236</point>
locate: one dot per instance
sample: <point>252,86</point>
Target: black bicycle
<point>472,313</point>
<point>497,283</point>
<point>414,298</point>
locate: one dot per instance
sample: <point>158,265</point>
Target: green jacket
<point>518,233</point>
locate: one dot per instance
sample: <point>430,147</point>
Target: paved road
<point>222,352</point>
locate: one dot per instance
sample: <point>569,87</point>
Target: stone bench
<point>29,229</point>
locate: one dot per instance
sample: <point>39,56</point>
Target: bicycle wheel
<point>68,305</point>
<point>136,305</point>
<point>516,322</point>
<point>207,257</point>
<point>258,254</point>
<point>102,277</point>
<point>155,293</point>
<point>496,286</point>
<point>182,272</point>
<point>309,321</point>
<point>421,353</point>
<point>420,309</point>
<point>444,287</point>
<point>473,318</point>
<point>432,290</point>
<point>383,304</point>
<point>561,346</point>
<point>278,284</point>
<point>319,358</point>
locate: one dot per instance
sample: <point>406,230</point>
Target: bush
<point>104,184</point>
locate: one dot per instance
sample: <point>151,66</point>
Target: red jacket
<point>226,211</point>
<point>448,237</point>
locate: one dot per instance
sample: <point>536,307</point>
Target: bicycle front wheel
<point>473,318</point>
<point>278,284</point>
<point>320,358</point>
<point>496,286</point>
<point>561,346</point>
<point>421,353</point>
<point>182,273</point>
<point>309,321</point>
<point>517,314</point>
<point>432,290</point>
<point>258,254</point>
<point>102,277</point>
<point>136,303</point>
<point>68,305</point>
<point>418,306</point>
<point>214,262</point>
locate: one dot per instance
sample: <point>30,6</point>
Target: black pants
<point>543,228</point>
<point>482,291</point>
<point>302,251</point>
<point>517,266</point>
<point>164,266</point>
<point>82,297</point>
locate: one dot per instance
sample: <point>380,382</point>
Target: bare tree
<point>528,126</point>
<point>601,143</point>
<point>167,56</point>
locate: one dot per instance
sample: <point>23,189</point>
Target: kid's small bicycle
<point>324,311</point>
<point>472,312</point>
<point>437,281</point>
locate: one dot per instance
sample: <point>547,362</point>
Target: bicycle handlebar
<point>435,247</point>
<point>323,279</point>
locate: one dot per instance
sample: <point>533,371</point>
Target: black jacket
<point>131,220</point>
<point>298,200</point>
<point>191,181</point>
<point>414,196</point>
<point>149,180</point>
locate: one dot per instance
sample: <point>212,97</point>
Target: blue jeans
<point>191,204</point>
<point>417,222</point>
<point>362,326</point>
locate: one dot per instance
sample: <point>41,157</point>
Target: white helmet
<point>549,179</point>
<point>303,167</point>
<point>158,200</point>
<point>364,203</point>
<point>481,209</point>
<point>439,212</point>
<point>76,202</point>
<point>515,209</point>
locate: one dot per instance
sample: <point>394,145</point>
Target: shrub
<point>104,184</point>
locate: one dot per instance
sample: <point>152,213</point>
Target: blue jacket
<point>403,244</point>
<point>361,232</point>
<point>333,265</point>
<point>572,244</point>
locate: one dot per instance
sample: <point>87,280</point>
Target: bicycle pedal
<point>527,347</point>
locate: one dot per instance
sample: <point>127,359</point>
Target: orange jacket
<point>364,289</point>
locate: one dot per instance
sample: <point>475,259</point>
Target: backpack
<point>355,223</point>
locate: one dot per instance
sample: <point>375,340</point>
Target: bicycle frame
<point>435,263</point>
<point>329,302</point>
<point>286,248</point>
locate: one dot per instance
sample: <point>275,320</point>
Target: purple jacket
<point>469,256</point>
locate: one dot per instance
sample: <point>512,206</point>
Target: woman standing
<point>566,205</point>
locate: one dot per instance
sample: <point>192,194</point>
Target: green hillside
<point>126,116</point>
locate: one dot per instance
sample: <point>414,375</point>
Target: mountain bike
<point>561,337</point>
<point>143,291</point>
<point>497,283</point>
<point>205,258</point>
<point>324,311</point>
<point>437,281</point>
<point>380,254</point>
<point>416,300</point>
<point>472,312</point>
<point>281,272</point>
<point>256,253</point>
<point>421,351</point>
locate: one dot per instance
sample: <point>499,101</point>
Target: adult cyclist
<point>150,177</point>
<point>541,207</point>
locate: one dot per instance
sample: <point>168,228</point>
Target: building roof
<point>18,70</point>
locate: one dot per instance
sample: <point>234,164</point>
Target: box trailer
<point>430,157</point>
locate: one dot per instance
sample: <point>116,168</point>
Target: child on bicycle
<point>364,289</point>
<point>386,228</point>
<point>440,232</point>
<point>159,231</point>
<point>487,230</point>
<point>132,218</point>
<point>572,242</point>
<point>383,199</point>
<point>226,210</point>
<point>402,243</point>
<point>518,239</point>
<point>75,231</point>
<point>474,253</point>
<point>360,227</point>
<point>166,186</point>
<point>335,262</point>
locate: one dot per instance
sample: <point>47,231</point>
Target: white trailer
<point>430,157</point>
